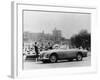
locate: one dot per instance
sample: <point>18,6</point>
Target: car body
<point>59,54</point>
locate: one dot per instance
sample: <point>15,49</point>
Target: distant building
<point>57,33</point>
<point>43,38</point>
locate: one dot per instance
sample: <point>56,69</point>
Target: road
<point>31,64</point>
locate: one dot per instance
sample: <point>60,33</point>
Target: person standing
<point>49,46</point>
<point>36,51</point>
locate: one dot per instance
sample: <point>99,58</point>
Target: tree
<point>82,39</point>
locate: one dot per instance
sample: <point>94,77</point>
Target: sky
<point>68,23</point>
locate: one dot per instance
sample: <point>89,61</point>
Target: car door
<point>66,53</point>
<point>60,54</point>
<point>69,54</point>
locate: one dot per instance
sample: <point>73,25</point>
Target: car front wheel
<point>53,58</point>
<point>79,57</point>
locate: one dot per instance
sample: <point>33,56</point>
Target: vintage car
<point>60,54</point>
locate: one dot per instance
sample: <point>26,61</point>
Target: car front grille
<point>42,55</point>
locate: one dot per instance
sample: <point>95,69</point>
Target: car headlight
<point>47,55</point>
<point>42,55</point>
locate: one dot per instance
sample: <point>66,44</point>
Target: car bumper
<point>43,58</point>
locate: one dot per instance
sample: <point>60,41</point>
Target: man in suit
<point>36,51</point>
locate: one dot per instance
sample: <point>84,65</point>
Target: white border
<point>17,12</point>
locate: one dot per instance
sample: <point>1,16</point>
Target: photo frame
<point>17,35</point>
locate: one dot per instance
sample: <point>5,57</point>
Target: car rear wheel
<point>79,57</point>
<point>53,58</point>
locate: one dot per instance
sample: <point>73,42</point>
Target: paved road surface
<point>31,64</point>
